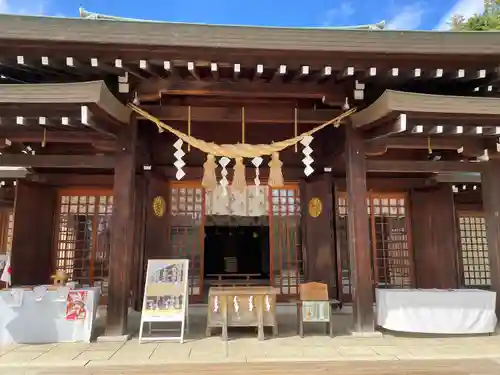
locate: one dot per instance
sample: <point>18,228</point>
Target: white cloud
<point>34,7</point>
<point>466,8</point>
<point>338,14</point>
<point>408,18</point>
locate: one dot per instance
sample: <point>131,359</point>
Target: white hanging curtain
<point>254,201</point>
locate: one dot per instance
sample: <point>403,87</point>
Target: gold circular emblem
<point>159,206</point>
<point>315,207</point>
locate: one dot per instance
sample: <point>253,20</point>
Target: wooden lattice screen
<point>284,227</point>
<point>83,236</point>
<point>6,230</point>
<point>474,261</point>
<point>392,261</point>
<point>187,209</point>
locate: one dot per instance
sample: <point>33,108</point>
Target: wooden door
<point>82,238</point>
<point>286,268</point>
<point>390,242</point>
<point>187,231</point>
<point>474,261</point>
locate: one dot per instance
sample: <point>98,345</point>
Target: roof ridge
<point>98,16</point>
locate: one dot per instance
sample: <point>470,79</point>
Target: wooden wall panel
<point>434,237</point>
<point>32,255</point>
<point>156,239</point>
<point>318,238</point>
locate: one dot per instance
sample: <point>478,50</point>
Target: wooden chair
<point>314,306</point>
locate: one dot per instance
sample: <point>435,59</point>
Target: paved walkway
<point>457,367</point>
<point>244,349</point>
<point>248,349</point>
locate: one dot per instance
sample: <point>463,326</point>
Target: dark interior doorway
<point>242,249</point>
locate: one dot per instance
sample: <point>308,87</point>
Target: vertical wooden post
<point>122,232</point>
<point>318,233</point>
<point>490,185</point>
<point>357,229</point>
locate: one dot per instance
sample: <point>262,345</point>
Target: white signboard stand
<point>165,296</point>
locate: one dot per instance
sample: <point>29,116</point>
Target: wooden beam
<point>152,90</point>
<point>196,173</point>
<point>417,166</point>
<point>215,71</point>
<point>122,235</point>
<point>471,146</point>
<point>22,134</point>
<point>387,184</point>
<point>358,238</point>
<point>99,126</point>
<point>72,179</point>
<point>192,70</point>
<point>233,114</point>
<point>395,127</point>
<point>58,161</point>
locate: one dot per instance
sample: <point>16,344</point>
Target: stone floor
<point>410,367</point>
<point>243,347</point>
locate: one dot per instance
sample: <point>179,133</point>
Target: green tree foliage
<point>489,20</point>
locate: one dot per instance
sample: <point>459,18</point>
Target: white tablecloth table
<point>37,322</point>
<point>438,311</point>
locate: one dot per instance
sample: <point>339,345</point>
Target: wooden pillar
<point>434,237</point>
<point>357,230</point>
<point>138,267</point>
<point>317,232</point>
<point>490,185</point>
<point>157,227</point>
<point>122,232</point>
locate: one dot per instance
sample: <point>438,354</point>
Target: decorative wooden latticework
<point>83,236</point>
<point>6,230</point>
<point>393,263</point>
<point>284,226</point>
<point>475,265</point>
<point>389,235</point>
<point>187,210</point>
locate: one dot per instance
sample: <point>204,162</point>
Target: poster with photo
<point>165,292</point>
<point>76,305</point>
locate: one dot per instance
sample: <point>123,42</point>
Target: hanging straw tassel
<point>275,172</point>
<point>239,180</point>
<point>209,181</point>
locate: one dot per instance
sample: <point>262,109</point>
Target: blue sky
<point>399,14</point>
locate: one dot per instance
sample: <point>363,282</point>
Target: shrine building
<point>401,191</point>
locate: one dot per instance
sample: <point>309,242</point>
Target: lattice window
<point>187,231</point>
<point>83,237</point>
<point>388,234</point>
<point>474,250</point>
<point>10,232</point>
<point>6,230</point>
<point>389,240</point>
<point>343,261</point>
<point>284,223</point>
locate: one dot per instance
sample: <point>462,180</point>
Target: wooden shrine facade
<point>390,179</point>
